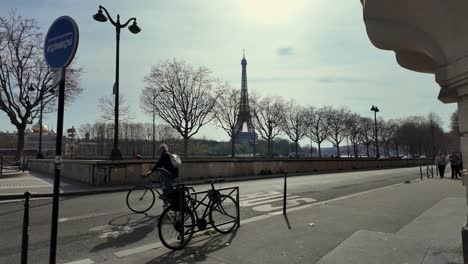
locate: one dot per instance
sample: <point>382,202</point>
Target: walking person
<point>454,164</point>
<point>441,162</point>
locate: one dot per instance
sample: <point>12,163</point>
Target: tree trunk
<point>338,150</point>
<point>185,147</point>
<point>20,145</point>
<point>319,151</point>
<point>297,143</point>
<point>397,152</point>
<point>232,146</point>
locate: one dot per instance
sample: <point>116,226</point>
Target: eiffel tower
<point>245,116</point>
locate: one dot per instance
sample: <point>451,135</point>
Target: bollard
<point>420,171</point>
<point>24,246</point>
<point>285,191</point>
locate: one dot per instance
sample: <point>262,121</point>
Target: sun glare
<point>271,11</point>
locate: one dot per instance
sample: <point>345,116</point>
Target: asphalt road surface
<point>97,226</point>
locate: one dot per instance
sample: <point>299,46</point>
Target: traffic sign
<point>61,42</point>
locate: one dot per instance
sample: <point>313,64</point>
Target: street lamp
<point>375,109</point>
<point>100,17</point>
<point>154,137</point>
<point>32,87</point>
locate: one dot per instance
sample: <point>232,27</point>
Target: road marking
<point>258,195</point>
<point>261,198</point>
<point>79,217</point>
<point>132,251</point>
<point>248,203</point>
<point>82,261</point>
<point>289,202</point>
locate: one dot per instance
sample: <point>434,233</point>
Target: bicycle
<point>141,198</point>
<point>177,223</point>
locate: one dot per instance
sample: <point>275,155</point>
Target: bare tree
<point>294,123</point>
<point>107,109</point>
<point>366,127</point>
<point>185,97</point>
<point>317,125</point>
<point>227,110</point>
<point>337,124</point>
<point>387,133</point>
<point>22,64</point>
<point>268,115</point>
<point>353,131</point>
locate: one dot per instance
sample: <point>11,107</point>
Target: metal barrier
<point>24,245</point>
<point>205,203</point>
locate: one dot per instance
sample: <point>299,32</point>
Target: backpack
<point>175,160</point>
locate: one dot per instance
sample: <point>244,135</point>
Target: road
<point>99,226</point>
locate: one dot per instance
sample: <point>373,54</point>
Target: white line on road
<point>82,261</point>
<point>79,217</point>
<point>248,203</point>
<point>132,251</point>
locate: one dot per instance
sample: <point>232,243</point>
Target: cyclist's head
<point>163,148</point>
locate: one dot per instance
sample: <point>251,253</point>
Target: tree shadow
<point>127,229</point>
<point>197,250</point>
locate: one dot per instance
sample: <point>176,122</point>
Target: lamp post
<point>32,87</point>
<point>100,17</point>
<point>375,109</point>
<point>154,128</point>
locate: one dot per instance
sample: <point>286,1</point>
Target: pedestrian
<point>454,164</point>
<point>441,162</point>
<point>164,162</point>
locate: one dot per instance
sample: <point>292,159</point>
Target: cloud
<point>335,79</point>
<point>285,51</point>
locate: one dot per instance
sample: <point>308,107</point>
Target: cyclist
<point>164,162</point>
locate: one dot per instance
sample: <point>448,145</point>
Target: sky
<point>315,52</point>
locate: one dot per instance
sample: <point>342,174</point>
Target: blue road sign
<point>61,42</point>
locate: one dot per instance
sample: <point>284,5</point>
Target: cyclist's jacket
<point>166,163</point>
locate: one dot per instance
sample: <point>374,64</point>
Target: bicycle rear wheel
<point>140,199</point>
<point>175,228</point>
<point>224,214</point>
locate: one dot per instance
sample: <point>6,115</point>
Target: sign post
<point>60,47</point>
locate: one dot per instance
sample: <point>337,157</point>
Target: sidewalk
<point>419,222</point>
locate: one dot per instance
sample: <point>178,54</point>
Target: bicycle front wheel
<point>175,228</point>
<point>140,199</point>
<point>224,214</point>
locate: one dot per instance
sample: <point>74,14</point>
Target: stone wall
<point>100,172</point>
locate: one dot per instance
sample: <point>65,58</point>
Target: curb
<point>15,196</point>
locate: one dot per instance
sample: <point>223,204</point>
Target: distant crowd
<point>454,159</point>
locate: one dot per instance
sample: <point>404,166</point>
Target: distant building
<point>31,138</point>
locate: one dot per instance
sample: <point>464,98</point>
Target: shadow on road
<point>127,229</point>
<point>196,252</point>
<point>286,219</point>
